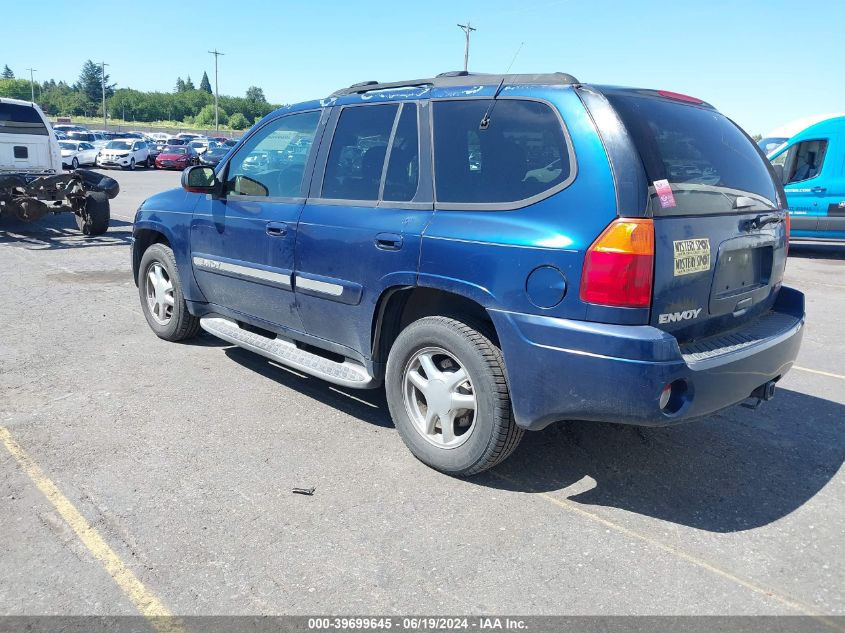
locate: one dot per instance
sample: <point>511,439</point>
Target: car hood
<point>166,156</point>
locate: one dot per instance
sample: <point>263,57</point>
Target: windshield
<point>174,150</point>
<point>771,143</point>
<point>696,160</point>
<point>68,145</point>
<point>119,145</point>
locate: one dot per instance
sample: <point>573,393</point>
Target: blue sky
<point>762,63</point>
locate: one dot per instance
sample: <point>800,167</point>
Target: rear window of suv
<point>521,156</point>
<point>20,119</point>
<point>697,161</point>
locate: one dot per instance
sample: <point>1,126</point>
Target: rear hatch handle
<point>761,220</point>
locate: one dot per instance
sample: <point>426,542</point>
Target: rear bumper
<point>560,369</point>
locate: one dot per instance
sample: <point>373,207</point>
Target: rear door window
<point>521,155</point>
<point>403,166</point>
<point>696,160</point>
<point>358,151</point>
<point>20,119</point>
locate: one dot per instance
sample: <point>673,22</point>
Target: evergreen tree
<point>7,73</point>
<point>180,85</point>
<point>90,83</point>
<point>189,85</point>
<point>205,84</point>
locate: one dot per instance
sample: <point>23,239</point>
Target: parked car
<point>155,150</point>
<point>199,146</point>
<point>176,157</point>
<point>64,128</point>
<point>213,155</point>
<point>124,153</point>
<point>231,142</point>
<point>177,141</point>
<point>811,166</point>
<point>488,301</point>
<point>32,184</point>
<point>86,136</point>
<point>187,136</point>
<point>76,153</point>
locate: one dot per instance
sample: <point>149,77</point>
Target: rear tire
<point>94,219</point>
<point>162,299</point>
<point>453,346</point>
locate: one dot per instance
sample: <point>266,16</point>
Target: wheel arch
<point>399,306</point>
<point>143,238</point>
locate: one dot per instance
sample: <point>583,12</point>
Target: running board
<point>284,351</point>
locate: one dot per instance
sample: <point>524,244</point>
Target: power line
<point>216,54</point>
<point>467,28</point>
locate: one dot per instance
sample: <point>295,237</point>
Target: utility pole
<point>105,116</point>
<point>466,28</point>
<point>32,82</point>
<point>216,54</point>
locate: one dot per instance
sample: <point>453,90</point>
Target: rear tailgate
<point>719,227</point>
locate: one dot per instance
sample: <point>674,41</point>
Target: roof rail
<point>460,78</point>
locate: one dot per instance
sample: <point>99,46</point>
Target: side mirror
<point>199,179</point>
<point>778,172</point>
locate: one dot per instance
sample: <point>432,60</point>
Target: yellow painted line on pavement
<point>142,598</point>
<point>695,560</point>
<point>819,372</point>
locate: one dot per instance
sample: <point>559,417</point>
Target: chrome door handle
<point>277,229</point>
<point>388,241</point>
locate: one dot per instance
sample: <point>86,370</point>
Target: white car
<point>160,136</point>
<point>76,153</point>
<point>200,145</point>
<point>125,153</point>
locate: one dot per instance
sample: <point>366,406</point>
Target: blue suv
<point>501,252</point>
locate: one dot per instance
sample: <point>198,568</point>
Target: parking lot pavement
<point>182,458</point>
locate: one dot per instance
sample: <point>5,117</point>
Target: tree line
<point>185,103</point>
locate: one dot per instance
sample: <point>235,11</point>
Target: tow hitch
<point>764,392</point>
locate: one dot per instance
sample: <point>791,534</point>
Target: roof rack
<point>460,78</point>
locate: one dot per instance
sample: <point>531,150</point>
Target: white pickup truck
<point>32,183</point>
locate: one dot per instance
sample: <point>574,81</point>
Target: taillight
<point>619,266</point>
<point>787,228</point>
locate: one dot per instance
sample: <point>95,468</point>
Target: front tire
<point>162,300</point>
<point>448,396</point>
<point>94,219</point>
<point>74,164</point>
<point>132,164</point>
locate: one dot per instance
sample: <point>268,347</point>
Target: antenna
<point>485,120</point>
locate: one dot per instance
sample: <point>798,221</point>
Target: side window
<point>521,153</point>
<point>808,161</point>
<point>272,162</point>
<point>358,150</point>
<point>403,166</point>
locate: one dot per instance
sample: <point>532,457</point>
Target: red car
<point>176,157</point>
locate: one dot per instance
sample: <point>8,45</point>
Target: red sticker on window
<point>664,192</point>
